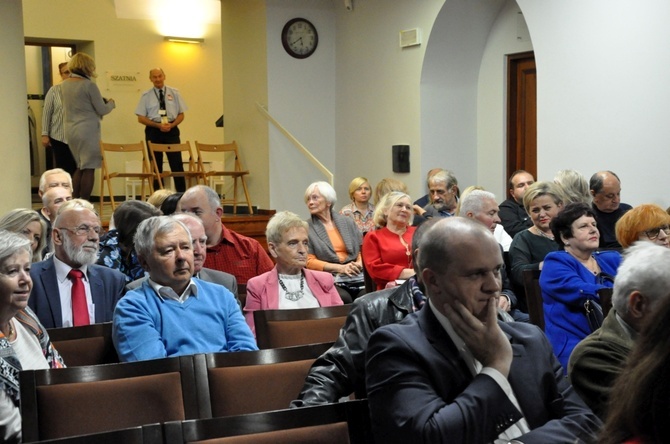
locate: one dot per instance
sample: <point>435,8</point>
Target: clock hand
<point>297,40</point>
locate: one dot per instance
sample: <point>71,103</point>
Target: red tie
<point>79,305</point>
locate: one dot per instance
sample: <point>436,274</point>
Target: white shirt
<point>521,426</point>
<point>65,291</point>
<point>292,282</point>
<point>165,292</point>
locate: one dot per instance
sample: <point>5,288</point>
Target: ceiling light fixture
<point>184,39</point>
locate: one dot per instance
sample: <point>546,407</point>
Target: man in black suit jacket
<point>76,238</point>
<point>451,372</point>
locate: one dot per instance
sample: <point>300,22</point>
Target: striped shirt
<point>52,115</point>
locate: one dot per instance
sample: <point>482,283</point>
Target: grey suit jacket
<point>206,274</point>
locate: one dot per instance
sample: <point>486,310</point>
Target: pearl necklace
<point>543,234</point>
<point>294,295</point>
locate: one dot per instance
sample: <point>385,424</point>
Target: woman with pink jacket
<point>289,284</point>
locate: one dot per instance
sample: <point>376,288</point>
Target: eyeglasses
<point>655,232</point>
<point>81,230</point>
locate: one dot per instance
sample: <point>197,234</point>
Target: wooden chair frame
<point>531,283</point>
<point>205,363</point>
<point>354,413</point>
<point>32,381</point>
<point>236,174</point>
<point>69,341</point>
<point>146,434</point>
<point>106,176</point>
<point>263,318</point>
<point>193,172</point>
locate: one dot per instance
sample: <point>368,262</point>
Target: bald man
<point>606,192</point>
<point>161,110</point>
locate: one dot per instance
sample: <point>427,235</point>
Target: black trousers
<point>155,135</point>
<point>63,156</point>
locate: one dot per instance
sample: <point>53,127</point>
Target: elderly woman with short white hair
<point>288,285</point>
<point>334,242</point>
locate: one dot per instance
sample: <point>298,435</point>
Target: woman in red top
<point>387,252</point>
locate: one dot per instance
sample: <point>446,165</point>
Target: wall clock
<point>299,38</point>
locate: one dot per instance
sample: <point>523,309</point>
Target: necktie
<point>79,305</point>
<point>161,99</point>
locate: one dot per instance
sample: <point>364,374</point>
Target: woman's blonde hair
<point>356,183</point>
<point>387,203</point>
<point>82,63</point>
<point>17,220</point>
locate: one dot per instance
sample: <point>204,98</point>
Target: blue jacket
<point>147,326</point>
<point>566,284</point>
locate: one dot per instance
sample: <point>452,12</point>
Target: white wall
<point>492,97</point>
<point>449,88</point>
<point>14,149</point>
<point>301,96</point>
<point>603,90</point>
<point>378,89</point>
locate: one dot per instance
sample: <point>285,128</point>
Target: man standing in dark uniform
<point>161,110</point>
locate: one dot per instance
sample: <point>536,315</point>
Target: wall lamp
<point>183,39</point>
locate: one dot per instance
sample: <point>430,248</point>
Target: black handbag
<point>594,314</point>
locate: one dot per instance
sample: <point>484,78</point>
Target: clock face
<point>299,38</point>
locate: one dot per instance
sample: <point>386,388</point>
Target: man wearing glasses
<point>606,191</point>
<point>68,289</point>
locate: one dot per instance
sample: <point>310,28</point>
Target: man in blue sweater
<point>172,314</point>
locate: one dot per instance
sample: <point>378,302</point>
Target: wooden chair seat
<point>74,401</point>
<point>285,328</point>
<point>253,381</point>
<point>341,423</point>
<point>85,345</point>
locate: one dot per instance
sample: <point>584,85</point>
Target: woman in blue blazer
<point>572,275</point>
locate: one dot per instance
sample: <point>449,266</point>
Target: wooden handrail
<point>326,172</point>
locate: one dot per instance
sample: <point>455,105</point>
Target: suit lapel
<point>97,293</point>
<point>315,286</point>
<point>271,290</point>
<point>51,291</point>
<point>440,340</point>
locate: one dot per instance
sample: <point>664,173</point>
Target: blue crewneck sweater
<point>147,326</point>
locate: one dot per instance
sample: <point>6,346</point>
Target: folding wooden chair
<point>85,345</point>
<point>124,153</point>
<point>285,328</point>
<point>73,401</point>
<point>191,171</point>
<point>236,173</point>
<point>253,381</point>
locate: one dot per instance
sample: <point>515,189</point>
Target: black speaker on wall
<point>401,158</point>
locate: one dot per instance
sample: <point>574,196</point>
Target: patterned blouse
<point>112,256</point>
<point>364,222</point>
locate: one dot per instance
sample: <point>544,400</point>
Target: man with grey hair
<point>56,177</point>
<point>443,190</point>
<point>606,191</point>
<point>52,199</point>
<point>641,283</point>
<point>172,314</point>
<point>197,231</point>
<point>227,250</point>
<point>481,206</point>
<point>451,372</point>
<point>68,288</point>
